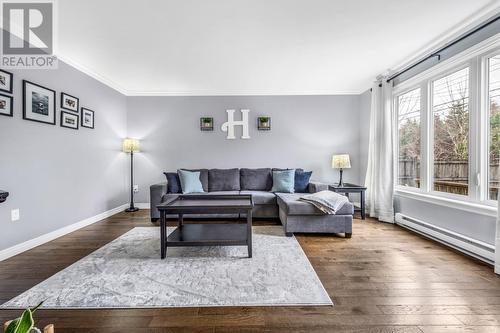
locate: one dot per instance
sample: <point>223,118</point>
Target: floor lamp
<point>131,146</point>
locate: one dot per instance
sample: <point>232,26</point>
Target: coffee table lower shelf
<point>208,234</point>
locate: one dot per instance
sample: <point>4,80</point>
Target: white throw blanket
<point>327,201</point>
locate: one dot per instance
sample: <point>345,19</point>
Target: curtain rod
<point>436,53</point>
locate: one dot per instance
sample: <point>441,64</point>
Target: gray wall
<point>306,131</point>
<point>365,101</point>
<point>58,176</point>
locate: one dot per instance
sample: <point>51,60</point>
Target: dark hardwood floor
<point>383,279</point>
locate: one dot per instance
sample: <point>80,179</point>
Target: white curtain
<point>380,172</point>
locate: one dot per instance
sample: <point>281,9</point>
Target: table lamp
<point>341,162</point>
<point>131,146</point>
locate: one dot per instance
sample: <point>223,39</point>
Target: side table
<point>347,188</point>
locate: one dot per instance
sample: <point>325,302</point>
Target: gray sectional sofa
<point>295,215</point>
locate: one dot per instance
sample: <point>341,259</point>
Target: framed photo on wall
<point>39,103</point>
<point>6,79</point>
<point>87,118</point>
<point>69,120</point>
<point>70,103</point>
<point>6,105</point>
<point>207,124</point>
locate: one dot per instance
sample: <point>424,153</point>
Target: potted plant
<point>206,122</point>
<point>25,323</point>
<point>264,122</point>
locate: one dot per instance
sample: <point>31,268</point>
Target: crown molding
<point>131,93</point>
<point>85,70</point>
<point>241,93</point>
<point>493,8</point>
<point>487,12</point>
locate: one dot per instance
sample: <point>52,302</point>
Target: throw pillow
<point>190,181</point>
<point>173,182</point>
<point>302,179</point>
<point>283,181</point>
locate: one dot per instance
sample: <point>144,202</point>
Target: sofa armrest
<point>317,187</point>
<point>157,191</point>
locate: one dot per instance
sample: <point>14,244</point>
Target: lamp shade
<point>341,161</point>
<point>131,145</point>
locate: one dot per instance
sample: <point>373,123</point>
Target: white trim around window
<point>476,60</point>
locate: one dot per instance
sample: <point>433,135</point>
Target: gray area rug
<point>128,273</point>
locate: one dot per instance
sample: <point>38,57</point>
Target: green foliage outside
<point>451,135</point>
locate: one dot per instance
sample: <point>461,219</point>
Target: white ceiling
<point>252,47</point>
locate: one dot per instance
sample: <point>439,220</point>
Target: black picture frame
<point>77,120</point>
<point>206,124</point>
<point>63,104</point>
<point>11,111</point>
<point>11,76</point>
<point>51,121</point>
<point>82,116</point>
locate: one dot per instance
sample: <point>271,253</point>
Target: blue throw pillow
<point>190,181</point>
<point>173,182</point>
<point>302,179</point>
<point>283,181</point>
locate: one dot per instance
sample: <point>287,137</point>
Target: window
<point>409,138</point>
<point>494,125</point>
<point>450,111</point>
<point>448,128</point>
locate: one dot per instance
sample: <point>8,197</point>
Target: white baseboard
<point>475,248</point>
<point>28,245</point>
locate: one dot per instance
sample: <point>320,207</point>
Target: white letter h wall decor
<point>229,125</point>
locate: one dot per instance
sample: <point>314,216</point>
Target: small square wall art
<point>207,124</point>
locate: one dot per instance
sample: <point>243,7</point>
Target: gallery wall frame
<point>6,105</point>
<point>87,118</point>
<point>70,103</point>
<point>39,103</point>
<point>69,120</point>
<point>6,79</point>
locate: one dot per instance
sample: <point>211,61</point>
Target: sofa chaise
<point>296,216</point>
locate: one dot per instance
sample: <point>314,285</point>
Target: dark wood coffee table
<point>207,234</point>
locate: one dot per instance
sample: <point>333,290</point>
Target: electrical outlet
<point>14,215</point>
<point>136,188</point>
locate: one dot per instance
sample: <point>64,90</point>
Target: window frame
<point>430,124</point>
<point>476,59</point>
<point>396,159</point>
<point>485,122</point>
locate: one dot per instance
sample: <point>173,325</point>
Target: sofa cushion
<point>190,181</point>
<point>223,180</point>
<point>291,205</point>
<point>283,181</point>
<point>262,197</point>
<point>256,179</point>
<point>203,177</point>
<point>173,182</point>
<point>302,179</point>
<point>218,193</point>
<point>169,197</point>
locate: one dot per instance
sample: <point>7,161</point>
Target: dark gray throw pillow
<point>223,180</point>
<point>256,179</point>
<point>173,182</point>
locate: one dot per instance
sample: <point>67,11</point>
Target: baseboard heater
<point>477,249</point>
